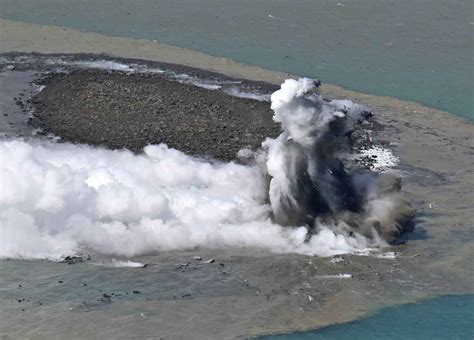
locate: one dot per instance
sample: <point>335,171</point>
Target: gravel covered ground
<point>121,110</point>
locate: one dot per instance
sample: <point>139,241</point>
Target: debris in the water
<point>388,255</point>
<point>73,259</point>
<point>337,259</point>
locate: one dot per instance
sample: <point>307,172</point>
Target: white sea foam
<point>388,255</point>
<point>103,64</point>
<point>336,276</point>
<point>236,92</point>
<point>116,66</point>
<point>111,65</point>
<point>336,259</point>
<point>60,199</point>
<point>128,264</point>
<point>96,64</point>
<point>383,159</point>
<point>205,85</point>
<point>187,79</point>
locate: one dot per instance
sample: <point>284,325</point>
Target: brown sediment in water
<point>436,152</point>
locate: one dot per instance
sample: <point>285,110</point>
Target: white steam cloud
<point>309,182</point>
<point>59,199</point>
<point>63,199</point>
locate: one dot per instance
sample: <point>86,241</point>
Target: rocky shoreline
<point>121,110</point>
<point>88,99</point>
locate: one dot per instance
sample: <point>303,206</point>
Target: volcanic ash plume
<point>60,199</point>
<point>309,183</point>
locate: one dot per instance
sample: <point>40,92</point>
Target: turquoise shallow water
<point>446,317</point>
<point>416,50</point>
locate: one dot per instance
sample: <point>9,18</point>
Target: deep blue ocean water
<point>446,317</point>
<point>417,50</point>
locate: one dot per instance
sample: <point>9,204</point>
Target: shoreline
<point>25,37</point>
<point>434,148</point>
<point>230,114</point>
<point>134,110</point>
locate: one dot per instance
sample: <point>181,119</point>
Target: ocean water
<point>415,50</point>
<point>446,317</point>
<point>420,51</point>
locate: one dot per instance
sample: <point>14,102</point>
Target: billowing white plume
<point>58,199</point>
<point>309,183</point>
<point>61,199</point>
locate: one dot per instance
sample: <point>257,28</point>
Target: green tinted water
<point>416,50</point>
<point>447,317</point>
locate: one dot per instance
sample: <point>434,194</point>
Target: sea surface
<point>414,50</point>
<point>446,317</point>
